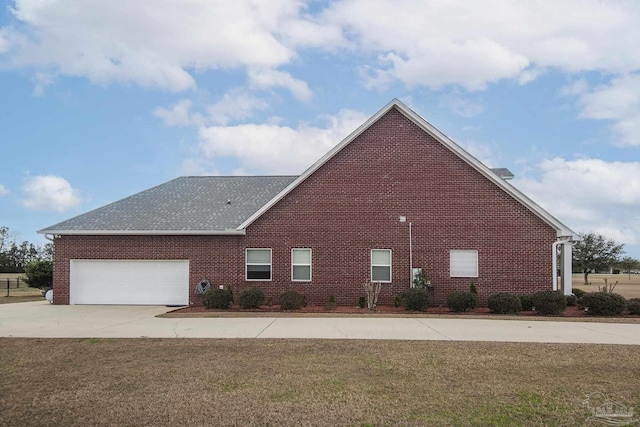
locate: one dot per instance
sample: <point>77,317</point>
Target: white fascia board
<point>324,159</point>
<point>561,229</point>
<point>229,232</point>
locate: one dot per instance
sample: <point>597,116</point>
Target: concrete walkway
<point>42,320</point>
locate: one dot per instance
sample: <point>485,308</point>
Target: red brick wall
<point>352,205</point>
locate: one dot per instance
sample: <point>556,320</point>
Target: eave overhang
<point>562,231</point>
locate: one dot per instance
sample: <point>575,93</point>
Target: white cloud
<point>150,43</point>
<point>590,195</point>
<point>618,102</point>
<point>430,43</point>
<point>578,87</point>
<point>49,193</point>
<point>179,115</point>
<point>472,44</point>
<point>270,148</point>
<point>480,151</point>
<point>235,105</point>
<point>267,78</point>
<point>461,106</point>
<point>3,190</point>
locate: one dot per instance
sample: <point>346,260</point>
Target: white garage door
<point>129,282</point>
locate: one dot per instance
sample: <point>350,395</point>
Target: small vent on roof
<point>503,173</point>
<point>228,201</point>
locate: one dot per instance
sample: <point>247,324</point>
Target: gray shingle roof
<point>190,204</point>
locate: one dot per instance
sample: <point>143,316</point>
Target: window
<point>463,263</point>
<point>258,264</point>
<point>381,265</point>
<point>301,265</point>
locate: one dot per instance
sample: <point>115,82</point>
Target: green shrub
<point>415,299</point>
<point>39,274</point>
<point>459,301</point>
<point>633,306</point>
<point>504,303</point>
<point>549,303</point>
<point>331,305</point>
<point>216,298</point>
<point>572,300</point>
<point>604,303</point>
<point>251,298</point>
<point>527,302</point>
<point>396,301</point>
<point>579,293</point>
<point>292,300</point>
<point>233,300</point>
<point>473,289</point>
<point>362,302</point>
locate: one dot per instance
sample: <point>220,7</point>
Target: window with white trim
<point>381,265</point>
<point>463,263</point>
<point>301,264</point>
<point>258,264</point>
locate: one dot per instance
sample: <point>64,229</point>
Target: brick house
<point>394,196</point>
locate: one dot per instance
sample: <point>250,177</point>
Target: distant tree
<point>39,274</point>
<point>595,252</point>
<point>45,253</point>
<point>15,257</point>
<point>627,264</point>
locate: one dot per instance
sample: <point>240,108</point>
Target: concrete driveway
<point>43,320</point>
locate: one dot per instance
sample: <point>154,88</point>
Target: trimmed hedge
<point>504,303</point>
<point>527,302</point>
<point>633,306</point>
<point>216,298</point>
<point>459,301</point>
<point>292,300</point>
<point>572,300</point>
<point>415,299</point>
<point>251,298</point>
<point>604,303</point>
<point>579,293</point>
<point>549,303</point>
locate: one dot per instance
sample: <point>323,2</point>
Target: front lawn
<point>21,294</point>
<point>135,382</point>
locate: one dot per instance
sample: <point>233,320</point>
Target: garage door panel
<point>138,282</point>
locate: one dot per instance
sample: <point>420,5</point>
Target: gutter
<point>227,232</point>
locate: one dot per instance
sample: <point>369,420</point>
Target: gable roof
<point>561,229</point>
<point>186,205</point>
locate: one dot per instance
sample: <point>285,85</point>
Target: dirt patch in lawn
<point>81,382</point>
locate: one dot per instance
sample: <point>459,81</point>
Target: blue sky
<point>99,100</point>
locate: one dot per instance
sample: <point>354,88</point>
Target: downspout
<point>410,256</point>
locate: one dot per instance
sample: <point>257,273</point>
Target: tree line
<point>597,253</point>
<point>593,253</point>
<point>15,257</point>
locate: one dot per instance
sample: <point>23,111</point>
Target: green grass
<point>79,382</point>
